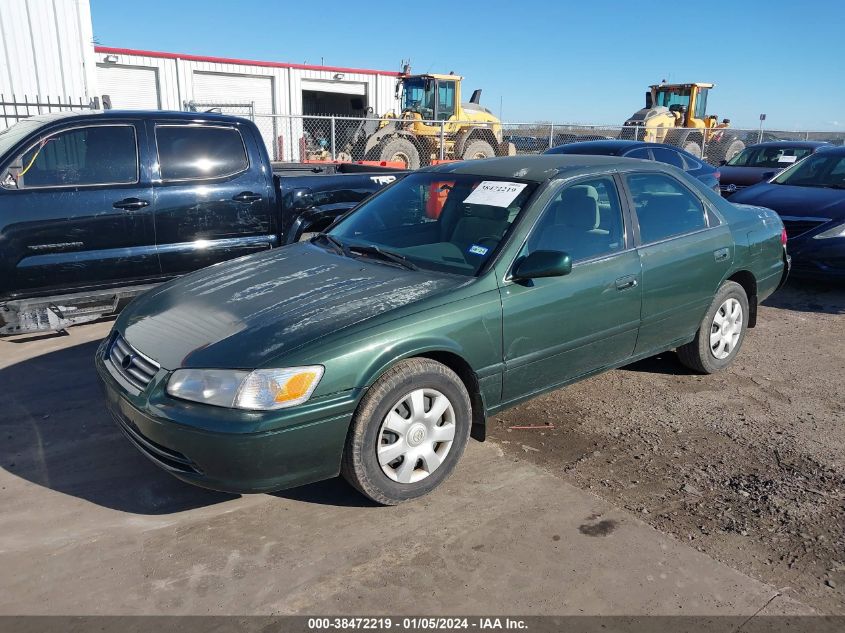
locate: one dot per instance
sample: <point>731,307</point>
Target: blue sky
<point>551,61</point>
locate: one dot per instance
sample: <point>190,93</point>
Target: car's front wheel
<point>721,332</point>
<point>408,433</point>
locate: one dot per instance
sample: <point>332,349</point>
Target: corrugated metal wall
<point>46,49</point>
<point>178,79</point>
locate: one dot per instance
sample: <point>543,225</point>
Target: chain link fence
<point>335,138</point>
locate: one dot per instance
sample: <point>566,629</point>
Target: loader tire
<point>692,147</point>
<point>399,150</point>
<point>478,149</point>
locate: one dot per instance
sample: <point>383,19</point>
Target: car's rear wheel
<point>721,332</point>
<point>408,433</point>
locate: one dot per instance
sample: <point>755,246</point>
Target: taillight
<point>783,237</point>
<point>718,175</point>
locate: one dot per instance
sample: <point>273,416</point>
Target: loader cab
<point>687,101</point>
<point>433,97</point>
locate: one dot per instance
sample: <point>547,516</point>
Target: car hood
<point>744,176</point>
<point>242,313</point>
<point>795,201</point>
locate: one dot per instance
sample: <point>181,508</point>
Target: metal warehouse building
<point>48,54</point>
<point>174,81</point>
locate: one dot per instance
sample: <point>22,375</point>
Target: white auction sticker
<point>787,159</point>
<point>495,193</point>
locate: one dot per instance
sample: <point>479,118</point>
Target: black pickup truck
<point>97,207</point>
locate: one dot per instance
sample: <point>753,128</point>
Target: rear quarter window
<point>196,152</point>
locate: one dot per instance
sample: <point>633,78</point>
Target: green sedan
<point>378,348</point>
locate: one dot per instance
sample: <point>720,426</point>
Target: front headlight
<point>259,390</point>
<point>836,231</point>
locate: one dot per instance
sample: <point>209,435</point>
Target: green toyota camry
<point>377,348</point>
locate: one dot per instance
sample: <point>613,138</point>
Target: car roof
<point>608,145</point>
<point>542,167</point>
<point>790,144</point>
<point>836,150</point>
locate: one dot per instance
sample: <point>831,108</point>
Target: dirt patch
<point>747,466</point>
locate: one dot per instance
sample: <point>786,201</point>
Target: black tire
<point>698,354</point>
<point>692,147</point>
<point>399,150</point>
<point>478,149</point>
<point>360,465</point>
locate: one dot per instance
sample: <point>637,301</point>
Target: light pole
<point>760,135</point>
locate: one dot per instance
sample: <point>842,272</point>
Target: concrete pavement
<point>89,526</point>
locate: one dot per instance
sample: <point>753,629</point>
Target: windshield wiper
<point>337,246</point>
<point>396,258</point>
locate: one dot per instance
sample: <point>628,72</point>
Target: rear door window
<point>83,156</point>
<point>665,208</point>
<point>668,156</point>
<point>199,152</point>
<point>640,152</point>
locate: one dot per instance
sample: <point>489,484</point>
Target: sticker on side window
<point>787,159</point>
<point>495,193</point>
<point>475,249</point>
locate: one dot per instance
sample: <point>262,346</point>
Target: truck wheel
<point>408,433</point>
<point>399,150</point>
<point>721,332</point>
<point>693,148</point>
<point>478,149</point>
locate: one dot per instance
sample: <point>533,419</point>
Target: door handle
<point>623,283</point>
<point>247,196</point>
<point>722,254</point>
<point>131,204</point>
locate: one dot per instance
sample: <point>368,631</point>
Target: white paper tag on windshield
<point>787,159</point>
<point>495,193</point>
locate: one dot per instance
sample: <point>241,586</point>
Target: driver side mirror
<point>722,163</point>
<point>543,264</point>
<point>768,174</point>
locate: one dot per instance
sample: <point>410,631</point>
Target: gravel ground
<point>747,465</point>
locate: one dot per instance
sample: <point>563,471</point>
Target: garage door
<point>129,87</point>
<point>217,88</point>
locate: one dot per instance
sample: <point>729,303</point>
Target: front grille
<point>130,363</point>
<point>731,188</point>
<point>798,226</point>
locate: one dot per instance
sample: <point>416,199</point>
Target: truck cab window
<point>97,155</point>
<point>191,152</point>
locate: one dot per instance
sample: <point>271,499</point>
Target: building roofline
<point>244,62</point>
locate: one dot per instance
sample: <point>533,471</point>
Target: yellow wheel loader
<point>677,114</point>
<point>416,137</point>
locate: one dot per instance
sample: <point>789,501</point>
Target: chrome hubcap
<point>726,328</point>
<point>416,436</point>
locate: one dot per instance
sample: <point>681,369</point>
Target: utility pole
<point>760,135</point>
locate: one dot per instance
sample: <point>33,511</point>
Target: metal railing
<point>343,138</point>
<point>13,108</point>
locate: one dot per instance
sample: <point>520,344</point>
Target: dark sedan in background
<point>659,152</point>
<point>810,199</point>
<point>762,161</point>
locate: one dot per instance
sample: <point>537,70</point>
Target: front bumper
<point>818,259</point>
<point>213,448</point>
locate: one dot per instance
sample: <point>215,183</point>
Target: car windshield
<point>773,157</point>
<point>818,170</point>
<point>444,222</point>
